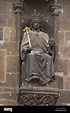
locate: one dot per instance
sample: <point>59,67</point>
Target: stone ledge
<point>37,96</point>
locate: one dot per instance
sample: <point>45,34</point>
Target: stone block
<point>67,52</point>
<point>64,98</point>
<point>11,80</point>
<point>64,17</point>
<point>1,33</point>
<point>11,21</point>
<point>69,67</point>
<point>2,65</point>
<point>61,38</point>
<point>6,34</point>
<point>63,51</point>
<point>67,82</point>
<point>8,89</point>
<point>13,34</point>
<point>17,79</point>
<point>67,38</point>
<point>11,48</point>
<point>59,79</point>
<point>61,65</point>
<point>4,7</point>
<point>11,64</point>
<point>8,95</point>
<point>3,20</point>
<point>6,102</point>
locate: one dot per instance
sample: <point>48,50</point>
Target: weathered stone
<point>13,34</point>
<point>9,34</point>
<point>61,38</point>
<point>2,65</point>
<point>59,79</point>
<point>6,34</point>
<point>37,96</point>
<point>69,67</point>
<point>61,65</point>
<point>5,6</point>
<point>3,20</point>
<point>67,82</point>
<point>67,38</point>
<point>67,52</point>
<point>8,89</point>
<point>64,97</point>
<point>11,80</point>
<point>9,48</point>
<point>63,51</point>
<point>7,95</point>
<point>1,33</point>
<point>10,21</point>
<point>6,102</point>
<point>18,80</point>
<point>11,64</point>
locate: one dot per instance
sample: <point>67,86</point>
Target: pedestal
<point>37,96</point>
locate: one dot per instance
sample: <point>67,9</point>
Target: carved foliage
<point>18,6</point>
<point>37,99</point>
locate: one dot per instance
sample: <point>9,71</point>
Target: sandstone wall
<point>9,64</point>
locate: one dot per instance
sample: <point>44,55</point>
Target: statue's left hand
<point>29,49</point>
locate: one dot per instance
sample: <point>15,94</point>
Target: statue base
<point>37,96</point>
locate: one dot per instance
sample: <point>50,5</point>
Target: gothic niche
<point>37,55</point>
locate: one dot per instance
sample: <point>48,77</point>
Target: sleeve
<point>46,42</point>
<point>24,45</point>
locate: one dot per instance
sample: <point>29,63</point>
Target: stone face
<point>63,51</point>
<point>2,65</point>
<point>61,65</point>
<point>67,82</point>
<point>64,98</point>
<point>8,54</point>
<point>67,37</point>
<point>8,95</point>
<point>11,80</point>
<point>9,48</point>
<point>9,34</point>
<point>3,20</point>
<point>11,64</point>
<point>12,34</point>
<point>1,33</point>
<point>8,102</point>
<point>59,79</point>
<point>61,37</point>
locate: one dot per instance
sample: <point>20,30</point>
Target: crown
<point>37,15</point>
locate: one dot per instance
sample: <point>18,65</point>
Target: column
<point>56,8</point>
<point>18,7</point>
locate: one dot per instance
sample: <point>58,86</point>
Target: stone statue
<point>37,58</point>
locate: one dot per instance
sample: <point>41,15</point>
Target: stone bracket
<point>37,97</point>
<point>18,7</point>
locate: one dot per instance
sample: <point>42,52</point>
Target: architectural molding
<point>37,97</point>
<point>18,6</point>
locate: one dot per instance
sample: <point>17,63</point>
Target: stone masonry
<point>8,54</point>
<point>9,58</point>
